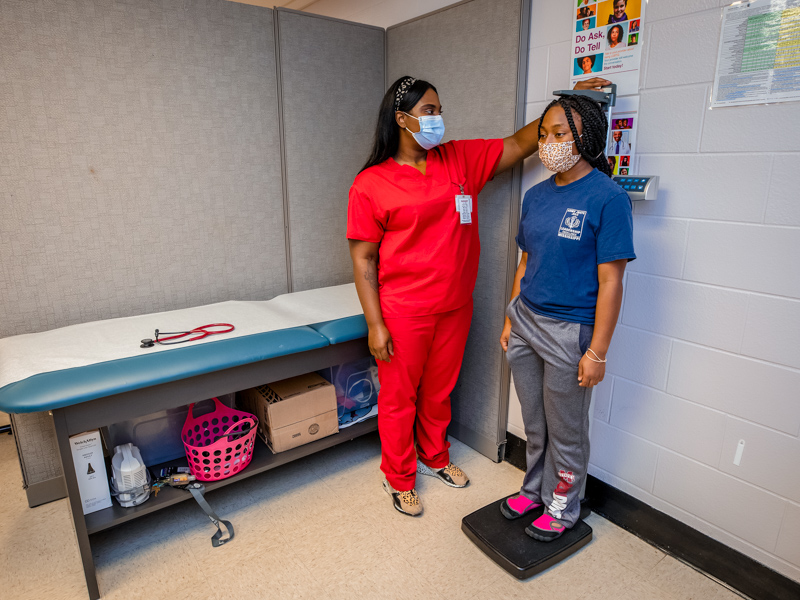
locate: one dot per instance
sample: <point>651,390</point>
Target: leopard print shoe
<point>451,475</point>
<point>407,503</point>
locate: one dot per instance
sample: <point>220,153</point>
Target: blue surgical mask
<point>431,130</point>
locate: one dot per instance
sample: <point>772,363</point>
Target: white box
<point>90,468</point>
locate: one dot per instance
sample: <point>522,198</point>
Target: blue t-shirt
<point>567,231</point>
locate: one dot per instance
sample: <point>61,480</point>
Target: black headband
<point>402,90</point>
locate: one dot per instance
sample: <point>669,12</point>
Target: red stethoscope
<point>181,337</point>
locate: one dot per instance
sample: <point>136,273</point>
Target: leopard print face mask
<point>558,156</point>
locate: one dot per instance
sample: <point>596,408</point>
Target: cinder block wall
<point>705,353</point>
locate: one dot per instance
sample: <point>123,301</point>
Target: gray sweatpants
<point>544,354</point>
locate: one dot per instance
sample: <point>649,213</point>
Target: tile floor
<point>321,528</point>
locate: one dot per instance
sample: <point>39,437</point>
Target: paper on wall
<point>607,42</point>
<point>759,54</point>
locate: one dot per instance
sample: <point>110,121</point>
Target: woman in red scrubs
<point>412,223</point>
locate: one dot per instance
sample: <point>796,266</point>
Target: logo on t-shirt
<point>572,224</point>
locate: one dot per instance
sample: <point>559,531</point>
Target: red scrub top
<point>428,259</point>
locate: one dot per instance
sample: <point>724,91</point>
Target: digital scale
<point>507,544</point>
<point>504,540</point>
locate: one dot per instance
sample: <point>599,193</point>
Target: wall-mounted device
<point>639,187</point>
<point>605,97</point>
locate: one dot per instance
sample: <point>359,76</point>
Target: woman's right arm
<point>523,263</point>
<point>365,273</point>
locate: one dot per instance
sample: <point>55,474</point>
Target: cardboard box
<point>90,468</point>
<point>292,412</point>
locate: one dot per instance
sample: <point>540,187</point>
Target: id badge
<point>465,210</point>
<point>461,198</point>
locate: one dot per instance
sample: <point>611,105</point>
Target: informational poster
<point>607,42</point>
<point>759,54</point>
<point>621,150</point>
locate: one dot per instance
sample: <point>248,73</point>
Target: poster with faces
<point>607,42</point>
<point>621,149</point>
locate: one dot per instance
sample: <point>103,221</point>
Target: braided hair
<point>592,144</point>
<point>402,95</point>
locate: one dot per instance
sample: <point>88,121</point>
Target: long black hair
<point>595,128</point>
<point>387,133</point>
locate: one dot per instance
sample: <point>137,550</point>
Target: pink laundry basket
<point>218,444</point>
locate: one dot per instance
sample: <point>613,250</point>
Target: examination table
<point>89,397</point>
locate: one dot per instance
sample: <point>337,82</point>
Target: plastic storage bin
<point>158,435</point>
<point>356,385</point>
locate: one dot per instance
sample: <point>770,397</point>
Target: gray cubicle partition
<point>140,169</point>
<point>139,159</point>
<point>332,81</point>
<point>475,53</point>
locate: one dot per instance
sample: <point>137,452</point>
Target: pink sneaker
<point>518,506</point>
<point>545,529</point>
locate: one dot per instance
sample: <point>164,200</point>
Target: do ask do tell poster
<point>607,42</point>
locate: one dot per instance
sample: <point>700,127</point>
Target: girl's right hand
<point>505,335</point>
<point>380,343</point>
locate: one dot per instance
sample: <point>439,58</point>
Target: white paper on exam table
<point>23,356</point>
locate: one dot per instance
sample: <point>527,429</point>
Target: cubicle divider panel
<point>140,168</point>
<point>139,163</point>
<point>332,79</point>
<point>471,53</point>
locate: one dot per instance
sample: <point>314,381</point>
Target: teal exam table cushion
<point>343,330</point>
<point>57,389</point>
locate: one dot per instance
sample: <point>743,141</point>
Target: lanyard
<point>459,180</point>
<point>463,200</point>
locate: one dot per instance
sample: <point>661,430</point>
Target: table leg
<point>75,505</point>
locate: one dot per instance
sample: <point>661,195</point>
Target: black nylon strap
<point>197,490</point>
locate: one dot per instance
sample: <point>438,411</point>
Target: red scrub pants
<point>415,391</point>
